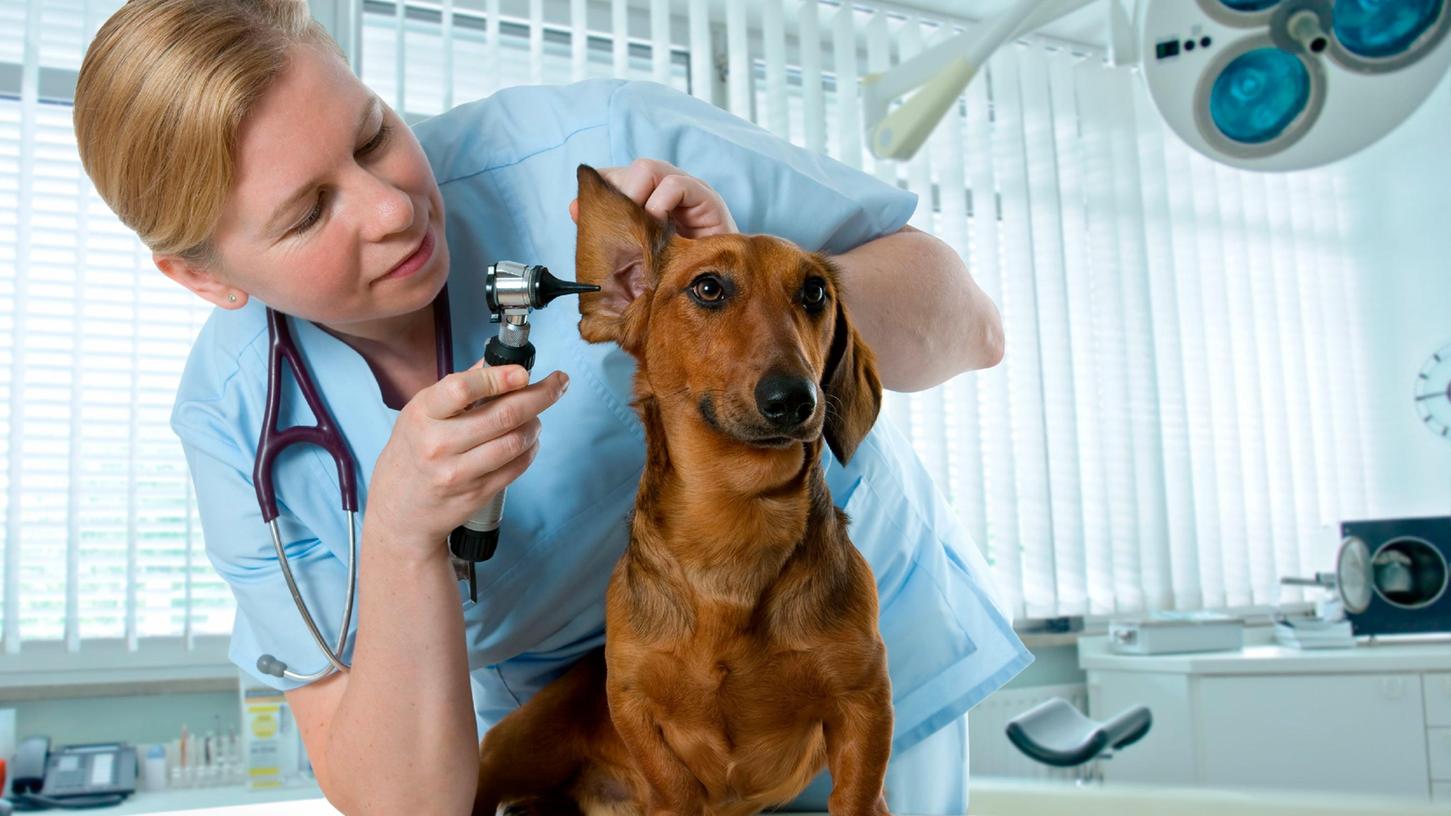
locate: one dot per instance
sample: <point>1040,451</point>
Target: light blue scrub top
<point>506,168</point>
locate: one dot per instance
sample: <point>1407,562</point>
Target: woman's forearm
<point>915,303</point>
<point>403,734</point>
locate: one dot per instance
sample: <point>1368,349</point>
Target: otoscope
<point>511,290</point>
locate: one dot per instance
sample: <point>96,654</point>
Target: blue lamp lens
<point>1383,28</point>
<point>1258,95</point>
<point>1249,5</point>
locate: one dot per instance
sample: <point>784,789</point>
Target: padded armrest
<point>1055,733</point>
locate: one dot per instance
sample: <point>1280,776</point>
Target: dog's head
<point>747,330</point>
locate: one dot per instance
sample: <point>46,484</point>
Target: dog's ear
<point>620,249</point>
<point>852,388</point>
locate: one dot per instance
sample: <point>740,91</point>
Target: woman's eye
<point>813,293</point>
<point>377,141</point>
<point>373,146</point>
<point>313,216</point>
<point>708,289</point>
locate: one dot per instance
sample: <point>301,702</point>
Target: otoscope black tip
<point>547,287</point>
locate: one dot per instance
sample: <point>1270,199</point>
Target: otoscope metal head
<point>513,288</point>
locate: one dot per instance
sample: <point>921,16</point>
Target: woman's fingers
<point>670,194</point>
<point>693,205</point>
<point>503,459</point>
<point>453,394</point>
<point>505,476</point>
<point>502,414</point>
<point>639,178</point>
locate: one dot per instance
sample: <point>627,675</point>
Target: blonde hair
<point>162,92</point>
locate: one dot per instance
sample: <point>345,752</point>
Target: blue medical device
<point>1258,84</point>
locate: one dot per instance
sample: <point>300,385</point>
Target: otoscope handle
<point>498,353</point>
<point>478,538</point>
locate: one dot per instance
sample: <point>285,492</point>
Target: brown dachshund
<point>742,654</point>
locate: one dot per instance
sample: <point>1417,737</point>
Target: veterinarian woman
<point>231,136</point>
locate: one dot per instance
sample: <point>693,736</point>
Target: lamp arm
<point>943,71</point>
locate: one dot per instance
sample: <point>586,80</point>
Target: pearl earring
<point>232,297</point>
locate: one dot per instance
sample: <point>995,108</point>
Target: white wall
<point>1401,217</point>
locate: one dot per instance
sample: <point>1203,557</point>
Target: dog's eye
<point>708,290</point>
<point>813,294</point>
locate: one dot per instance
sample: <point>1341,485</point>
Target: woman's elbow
<point>988,346</point>
<point>414,784</point>
<point>978,340</point>
<point>432,795</point>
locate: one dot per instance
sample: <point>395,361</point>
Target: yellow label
<point>264,725</point>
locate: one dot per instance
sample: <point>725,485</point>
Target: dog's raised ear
<point>619,249</point>
<point>852,388</point>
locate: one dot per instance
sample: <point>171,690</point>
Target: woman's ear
<point>851,385</point>
<point>201,280</point>
<point>620,249</point>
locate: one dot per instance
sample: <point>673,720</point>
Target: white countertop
<point>1262,655</point>
<point>234,801</point>
<point>225,801</point>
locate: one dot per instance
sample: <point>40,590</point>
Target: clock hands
<point>1435,379</point>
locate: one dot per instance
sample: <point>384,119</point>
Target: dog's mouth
<point>776,441</point>
<point>758,436</point>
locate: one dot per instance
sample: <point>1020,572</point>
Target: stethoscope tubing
<point>326,435</point>
<point>334,655</point>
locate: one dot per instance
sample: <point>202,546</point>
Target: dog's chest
<point>742,715</point>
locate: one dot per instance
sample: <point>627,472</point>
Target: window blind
<point>101,540</point>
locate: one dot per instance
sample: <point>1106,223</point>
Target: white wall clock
<point>1433,393</point>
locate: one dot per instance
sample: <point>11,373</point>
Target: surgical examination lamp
<point>1257,84</point>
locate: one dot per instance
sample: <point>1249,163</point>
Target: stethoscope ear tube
<point>272,442</point>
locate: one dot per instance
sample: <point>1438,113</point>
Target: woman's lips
<point>415,261</point>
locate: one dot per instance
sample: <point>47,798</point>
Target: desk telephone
<point>74,776</point>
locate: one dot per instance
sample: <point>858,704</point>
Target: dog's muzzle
<point>786,402</point>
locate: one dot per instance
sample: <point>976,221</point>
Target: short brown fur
<point>742,654</point>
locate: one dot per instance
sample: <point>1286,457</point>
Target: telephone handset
<point>74,776</point>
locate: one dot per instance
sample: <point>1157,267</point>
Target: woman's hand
<point>454,445</point>
<point>668,193</point>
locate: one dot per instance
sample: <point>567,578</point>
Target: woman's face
<point>332,193</point>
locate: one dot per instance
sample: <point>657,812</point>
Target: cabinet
<point>1374,719</point>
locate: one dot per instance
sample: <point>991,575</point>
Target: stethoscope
<point>511,291</point>
<point>324,434</point>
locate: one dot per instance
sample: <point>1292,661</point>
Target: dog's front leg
<point>673,789</point>
<point>858,732</point>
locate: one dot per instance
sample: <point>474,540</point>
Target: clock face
<point>1433,393</point>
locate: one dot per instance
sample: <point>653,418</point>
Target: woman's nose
<point>389,210</point>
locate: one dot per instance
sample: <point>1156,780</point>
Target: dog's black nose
<point>786,401</point>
